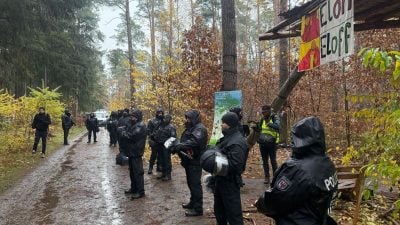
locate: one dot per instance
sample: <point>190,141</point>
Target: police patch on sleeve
<point>283,184</point>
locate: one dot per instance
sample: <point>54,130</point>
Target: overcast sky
<point>109,20</point>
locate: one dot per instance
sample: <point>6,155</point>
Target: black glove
<point>176,148</point>
<point>259,204</point>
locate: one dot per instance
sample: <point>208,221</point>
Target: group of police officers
<point>297,194</point>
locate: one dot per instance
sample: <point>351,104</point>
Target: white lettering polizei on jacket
<point>331,182</point>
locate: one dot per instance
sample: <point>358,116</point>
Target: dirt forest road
<point>81,184</point>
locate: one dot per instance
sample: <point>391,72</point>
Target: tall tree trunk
<point>192,11</point>
<point>214,15</point>
<point>178,25</point>
<point>152,44</point>
<point>258,56</point>
<point>229,61</point>
<point>130,53</point>
<point>346,105</point>
<point>283,61</point>
<point>170,32</point>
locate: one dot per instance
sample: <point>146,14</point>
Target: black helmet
<point>137,113</point>
<point>308,137</point>
<point>214,162</point>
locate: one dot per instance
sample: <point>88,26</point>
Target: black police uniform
<point>152,127</point>
<point>123,123</point>
<point>163,133</point>
<point>193,142</point>
<point>227,202</point>
<point>41,123</point>
<point>92,125</point>
<point>66,123</point>
<point>135,136</point>
<point>305,185</point>
<point>111,127</point>
<point>245,133</point>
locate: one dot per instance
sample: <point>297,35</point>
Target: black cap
<point>231,119</point>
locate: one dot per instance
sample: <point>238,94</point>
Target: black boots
<point>266,180</point>
<point>150,169</point>
<point>167,177</point>
<point>192,212</point>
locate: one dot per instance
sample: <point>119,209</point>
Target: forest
<point>170,55</point>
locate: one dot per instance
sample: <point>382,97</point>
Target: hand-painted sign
<point>335,19</point>
<point>310,41</point>
<point>337,30</point>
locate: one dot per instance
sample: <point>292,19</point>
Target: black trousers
<point>227,202</point>
<point>113,137</point>
<point>136,174</point>
<point>90,134</point>
<point>155,155</point>
<point>66,132</point>
<point>40,135</point>
<point>165,156</point>
<point>268,152</point>
<point>193,179</point>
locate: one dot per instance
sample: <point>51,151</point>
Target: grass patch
<point>13,165</point>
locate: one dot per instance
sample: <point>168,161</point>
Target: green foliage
<point>51,41</point>
<point>380,148</point>
<point>16,116</point>
<point>382,60</point>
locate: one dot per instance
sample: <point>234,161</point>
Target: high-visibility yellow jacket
<point>272,129</point>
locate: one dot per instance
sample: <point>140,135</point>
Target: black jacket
<point>194,139</point>
<point>152,127</point>
<point>112,124</point>
<point>234,146</point>
<point>305,185</point>
<point>41,122</point>
<point>92,123</point>
<point>135,135</point>
<point>66,121</point>
<point>164,132</point>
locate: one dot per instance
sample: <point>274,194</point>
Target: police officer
<point>66,123</point>
<point>92,125</point>
<point>227,203</point>
<point>135,134</point>
<point>163,133</point>
<point>245,132</point>
<point>239,112</point>
<point>111,127</point>
<point>40,125</point>
<point>268,127</point>
<point>152,127</point>
<point>123,123</point>
<point>305,185</point>
<point>193,144</point>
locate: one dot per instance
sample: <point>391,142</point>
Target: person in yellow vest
<point>268,127</point>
